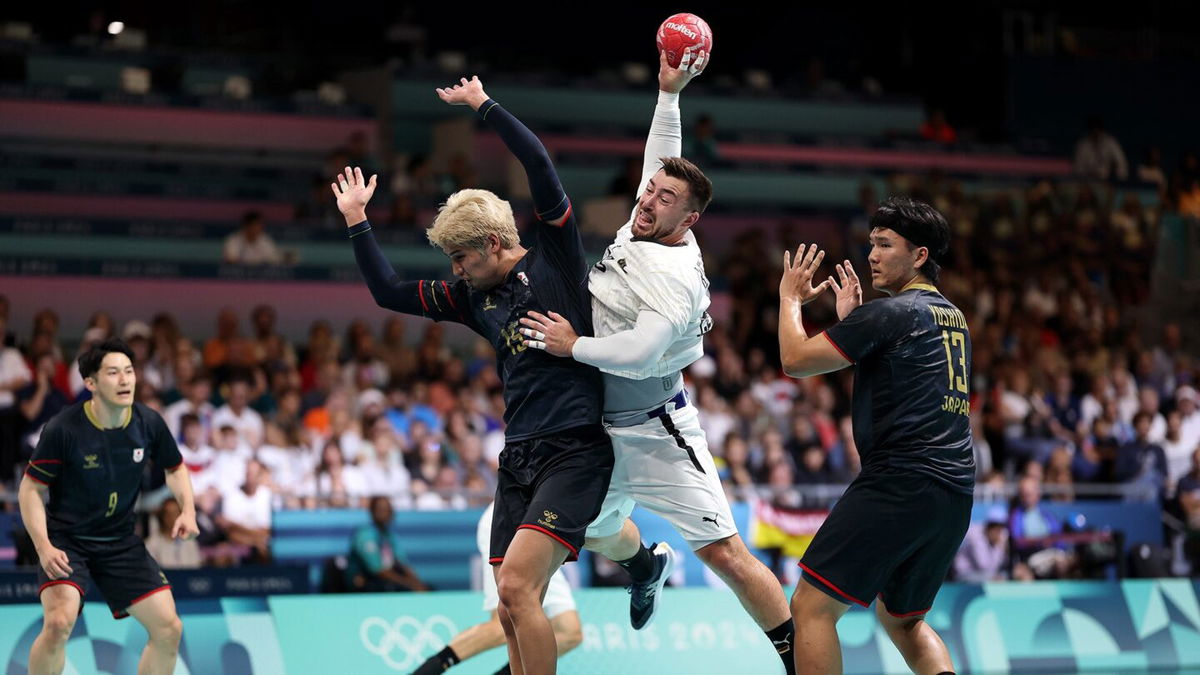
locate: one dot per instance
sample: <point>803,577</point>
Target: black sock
<point>438,663</point>
<point>504,671</point>
<point>783,638</point>
<point>640,566</point>
<point>948,672</point>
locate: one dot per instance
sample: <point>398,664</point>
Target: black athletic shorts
<point>122,569</point>
<point>893,534</point>
<point>554,484</point>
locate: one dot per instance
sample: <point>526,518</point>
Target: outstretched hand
<point>552,333</point>
<point>848,291</point>
<point>691,64</point>
<point>466,92</point>
<point>352,194</point>
<point>798,273</point>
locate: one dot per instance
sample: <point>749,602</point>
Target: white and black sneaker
<point>643,597</point>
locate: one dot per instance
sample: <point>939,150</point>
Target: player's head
<point>473,227</point>
<point>906,236</point>
<point>672,202</point>
<point>107,370</point>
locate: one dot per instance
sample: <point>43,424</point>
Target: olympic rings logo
<point>408,636</point>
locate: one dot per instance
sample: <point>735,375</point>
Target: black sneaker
<point>643,598</point>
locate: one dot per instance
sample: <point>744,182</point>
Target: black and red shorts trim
<point>553,485</point>
<point>893,534</point>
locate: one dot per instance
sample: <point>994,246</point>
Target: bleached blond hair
<point>468,217</point>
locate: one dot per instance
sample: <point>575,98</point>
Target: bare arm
<point>33,514</point>
<point>180,483</point>
<point>800,354</point>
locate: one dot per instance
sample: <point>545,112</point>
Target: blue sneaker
<point>643,598</point>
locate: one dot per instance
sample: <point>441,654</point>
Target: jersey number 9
<point>112,505</point>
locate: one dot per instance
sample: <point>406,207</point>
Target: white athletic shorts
<point>558,594</point>
<point>665,466</point>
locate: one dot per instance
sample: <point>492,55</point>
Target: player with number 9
<point>894,532</point>
<point>90,459</point>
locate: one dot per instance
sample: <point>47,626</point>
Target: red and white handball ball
<point>681,31</point>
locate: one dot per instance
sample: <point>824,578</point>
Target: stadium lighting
<point>116,27</point>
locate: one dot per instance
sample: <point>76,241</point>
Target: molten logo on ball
<point>681,31</point>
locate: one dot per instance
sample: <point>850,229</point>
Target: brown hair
<point>699,186</point>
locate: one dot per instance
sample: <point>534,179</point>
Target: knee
<point>602,545</point>
<point>895,627</point>
<point>725,557</point>
<point>810,604</point>
<point>167,632</point>
<point>516,593</point>
<point>57,626</point>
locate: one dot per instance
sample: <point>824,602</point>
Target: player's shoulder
<point>144,414</point>
<point>69,419</point>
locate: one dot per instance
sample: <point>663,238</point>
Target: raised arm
<point>549,199</point>
<point>434,299</point>
<point>666,129</point>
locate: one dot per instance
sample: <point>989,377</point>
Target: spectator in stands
<point>935,128</point>
<point>246,512</point>
<point>1033,529</point>
<point>336,484</point>
<point>1188,493</point>
<point>984,554</point>
<point>1059,478</point>
<point>736,475</point>
<point>171,552</point>
<point>1098,155</point>
<point>1177,450</point>
<point>196,401</point>
<point>377,562</point>
<point>238,414</point>
<point>14,375</point>
<point>271,349</point>
<point>165,336</point>
<point>383,467</point>
<point>1142,461</point>
<point>251,245</point>
<point>400,359</point>
<point>38,402</point>
<point>229,458</point>
<point>417,181</point>
<point>197,454</point>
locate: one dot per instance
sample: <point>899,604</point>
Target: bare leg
<point>156,612</point>
<point>478,638</point>
<point>60,607</point>
<point>530,561</point>
<point>756,588</point>
<point>620,546</point>
<point>923,650</point>
<point>568,631</point>
<point>818,650</point>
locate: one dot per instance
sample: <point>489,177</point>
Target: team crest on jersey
<point>89,462</point>
<point>138,454</point>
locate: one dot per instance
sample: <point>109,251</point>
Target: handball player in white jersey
<point>649,302</point>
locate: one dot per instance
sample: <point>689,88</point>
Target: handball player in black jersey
<point>557,459</point>
<point>892,536</point>
<point>90,459</point>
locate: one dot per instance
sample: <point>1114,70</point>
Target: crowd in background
<point>1067,392</point>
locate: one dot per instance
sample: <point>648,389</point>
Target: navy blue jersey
<point>911,404</point>
<point>95,474</point>
<point>543,394</point>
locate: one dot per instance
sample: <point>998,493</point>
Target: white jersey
<point>639,275</point>
<point>634,276</point>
